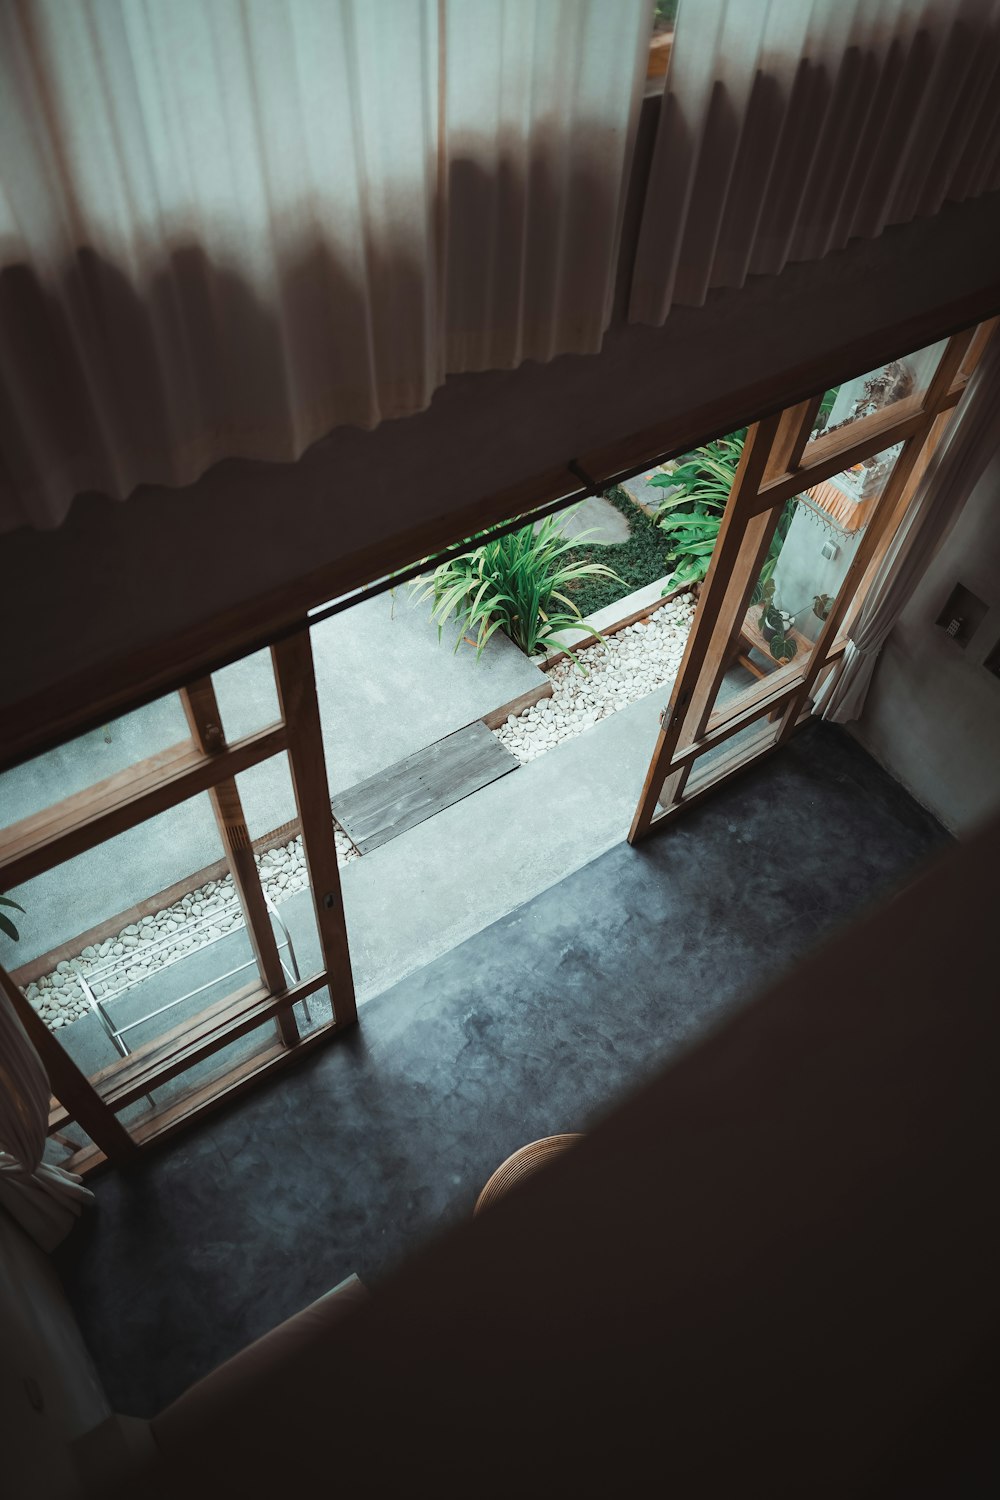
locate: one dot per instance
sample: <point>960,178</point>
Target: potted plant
<point>775,625</point>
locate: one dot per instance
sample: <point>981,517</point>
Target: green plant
<point>775,624</point>
<point>6,925</point>
<point>515,582</point>
<point>782,647</point>
<point>691,514</point>
<point>637,561</point>
<point>826,407</point>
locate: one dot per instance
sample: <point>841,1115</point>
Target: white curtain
<point>43,1199</point>
<point>227,227</point>
<point>954,470</point>
<point>789,127</point>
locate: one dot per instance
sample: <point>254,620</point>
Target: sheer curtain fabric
<point>227,228</point>
<point>43,1199</point>
<point>789,127</point>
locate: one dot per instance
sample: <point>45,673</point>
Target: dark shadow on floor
<point>534,1026</point>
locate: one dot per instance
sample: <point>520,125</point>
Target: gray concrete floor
<point>386,687</point>
<point>535,1025</point>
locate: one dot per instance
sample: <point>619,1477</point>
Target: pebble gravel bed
<point>154,942</point>
<point>620,669</point>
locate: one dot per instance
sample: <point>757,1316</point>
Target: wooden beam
<point>296,683</point>
<point>71,1087</point>
<point>744,539</point>
<point>44,963</point>
<point>835,451</point>
<point>205,722</point>
<point>809,412</point>
<point>122,801</point>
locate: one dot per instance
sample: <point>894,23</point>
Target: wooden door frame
<point>779,462</point>
<point>79,822</point>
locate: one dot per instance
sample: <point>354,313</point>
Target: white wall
<point>802,571</point>
<point>933,714</point>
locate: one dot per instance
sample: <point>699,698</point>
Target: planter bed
<point>639,656</point>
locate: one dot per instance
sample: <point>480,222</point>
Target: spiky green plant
<point>515,583</point>
<point>6,925</point>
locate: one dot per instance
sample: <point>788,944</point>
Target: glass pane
<point>92,757</point>
<point>877,389</point>
<point>244,1052</point>
<point>123,943</point>
<point>247,696</point>
<point>818,534</point>
<point>754,739</point>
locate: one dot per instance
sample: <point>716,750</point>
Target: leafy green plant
<point>826,407</point>
<point>692,513</point>
<point>516,582</point>
<point>775,624</point>
<point>635,562</point>
<point>6,925</point>
<point>782,647</point>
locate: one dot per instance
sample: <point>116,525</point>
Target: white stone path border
<point>624,667</point>
<point>618,670</point>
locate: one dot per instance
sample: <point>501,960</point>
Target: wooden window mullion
<point>202,710</point>
<point>296,683</point>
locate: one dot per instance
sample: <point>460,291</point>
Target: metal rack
<point>98,978</point>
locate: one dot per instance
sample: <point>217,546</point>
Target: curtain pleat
<point>45,1200</point>
<point>789,127</point>
<point>227,228</point>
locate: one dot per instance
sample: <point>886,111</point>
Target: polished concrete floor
<point>535,1025</point>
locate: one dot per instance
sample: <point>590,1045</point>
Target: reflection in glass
<point>861,397</point>
<point>815,543</point>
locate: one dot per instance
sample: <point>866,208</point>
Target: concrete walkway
<point>386,687</point>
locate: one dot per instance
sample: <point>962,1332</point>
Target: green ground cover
<point>639,560</point>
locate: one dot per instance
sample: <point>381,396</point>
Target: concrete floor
<point>534,1025</point>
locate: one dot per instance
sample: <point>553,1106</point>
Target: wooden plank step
<point>385,805</point>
